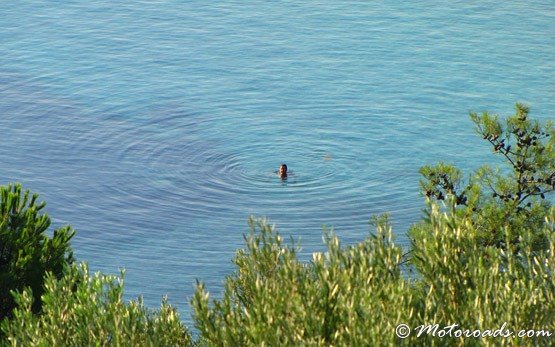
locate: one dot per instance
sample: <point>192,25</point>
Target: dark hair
<point>283,165</point>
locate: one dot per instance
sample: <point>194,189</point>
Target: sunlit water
<point>154,128</point>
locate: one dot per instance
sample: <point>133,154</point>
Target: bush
<point>483,287</point>
<point>88,310</point>
<point>343,297</point>
<point>26,252</point>
<point>357,295</point>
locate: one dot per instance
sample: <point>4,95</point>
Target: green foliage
<point>88,310</point>
<point>481,287</point>
<point>26,252</point>
<point>342,297</point>
<point>501,203</point>
<point>353,295</point>
<point>357,295</point>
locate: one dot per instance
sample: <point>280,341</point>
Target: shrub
<point>88,310</point>
<point>483,287</point>
<point>342,297</point>
<point>357,295</point>
<point>26,252</point>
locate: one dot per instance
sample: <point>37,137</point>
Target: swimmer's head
<point>282,170</point>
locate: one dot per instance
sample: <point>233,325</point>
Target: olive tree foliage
<point>501,202</point>
<point>27,253</point>
<point>342,297</point>
<point>356,295</point>
<point>82,309</point>
<point>479,286</point>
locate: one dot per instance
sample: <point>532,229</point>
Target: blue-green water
<point>154,127</point>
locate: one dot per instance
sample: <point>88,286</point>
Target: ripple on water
<point>168,160</point>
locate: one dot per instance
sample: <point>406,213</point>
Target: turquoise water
<point>154,127</point>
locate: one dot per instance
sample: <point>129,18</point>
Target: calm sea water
<point>154,127</point>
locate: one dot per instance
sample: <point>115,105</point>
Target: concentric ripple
<point>177,160</point>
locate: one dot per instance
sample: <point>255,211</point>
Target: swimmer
<point>282,172</point>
